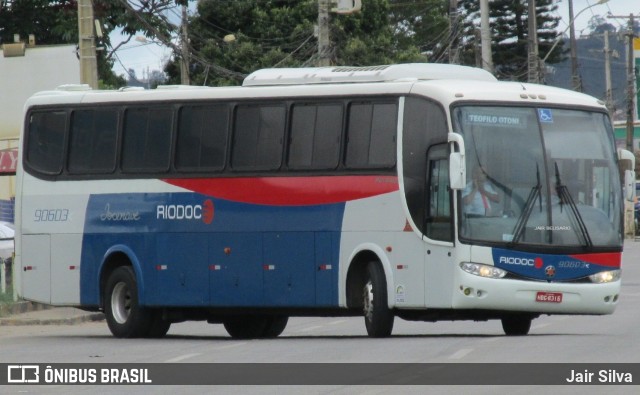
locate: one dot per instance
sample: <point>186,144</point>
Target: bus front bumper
<point>475,292</point>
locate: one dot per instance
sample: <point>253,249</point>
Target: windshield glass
<point>539,176</point>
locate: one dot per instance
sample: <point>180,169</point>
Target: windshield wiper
<point>565,198</point>
<point>528,208</point>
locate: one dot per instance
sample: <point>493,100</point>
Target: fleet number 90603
<point>51,215</point>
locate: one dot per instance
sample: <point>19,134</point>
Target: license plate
<point>549,297</point>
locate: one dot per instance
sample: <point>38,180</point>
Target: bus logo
<point>207,211</point>
<point>550,271</point>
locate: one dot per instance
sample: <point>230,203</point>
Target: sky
<point>146,56</point>
<point>582,14</point>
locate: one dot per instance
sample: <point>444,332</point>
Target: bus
<point>334,191</point>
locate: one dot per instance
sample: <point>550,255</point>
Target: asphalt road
<point>565,339</point>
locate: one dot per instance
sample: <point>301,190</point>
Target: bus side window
<point>258,137</point>
<point>45,139</point>
<point>146,143</point>
<point>202,137</point>
<point>315,136</point>
<point>371,135</point>
<point>93,137</point>
<point>438,219</point>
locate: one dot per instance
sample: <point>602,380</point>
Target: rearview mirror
<point>457,171</point>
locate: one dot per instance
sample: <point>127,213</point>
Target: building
<point>24,70</point>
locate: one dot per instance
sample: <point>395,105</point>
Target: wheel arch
<point>115,257</point>
<point>356,274</point>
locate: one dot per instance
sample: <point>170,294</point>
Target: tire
<point>246,327</point>
<point>275,326</point>
<point>378,319</point>
<point>159,326</point>
<point>516,325</point>
<point>125,317</point>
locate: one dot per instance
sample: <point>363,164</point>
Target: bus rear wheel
<point>159,326</point>
<point>378,318</point>
<point>516,325</point>
<point>256,326</point>
<point>125,317</point>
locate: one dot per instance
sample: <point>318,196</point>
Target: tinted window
<point>202,137</point>
<point>315,136</point>
<point>147,139</point>
<point>439,224</point>
<point>93,139</point>
<point>46,141</point>
<point>371,135</point>
<point>258,137</point>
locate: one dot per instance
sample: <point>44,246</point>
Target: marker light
<point>482,270</point>
<point>605,277</point>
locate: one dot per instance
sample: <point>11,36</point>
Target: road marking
<point>337,322</point>
<point>461,353</point>
<point>540,326</point>
<point>309,329</point>
<point>182,357</point>
<point>228,346</point>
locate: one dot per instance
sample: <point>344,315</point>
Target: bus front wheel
<point>125,317</point>
<point>378,318</point>
<point>516,325</point>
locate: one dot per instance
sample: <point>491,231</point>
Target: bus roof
<point>431,80</point>
<point>384,73</point>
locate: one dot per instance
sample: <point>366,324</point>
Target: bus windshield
<point>539,177</point>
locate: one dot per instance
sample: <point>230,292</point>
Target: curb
<point>28,313</point>
<point>17,321</point>
<point>21,307</point>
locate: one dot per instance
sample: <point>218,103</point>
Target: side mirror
<point>629,184</point>
<point>457,166</point>
<point>457,171</point>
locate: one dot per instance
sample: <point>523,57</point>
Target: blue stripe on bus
<point>194,250</point>
<point>552,267</point>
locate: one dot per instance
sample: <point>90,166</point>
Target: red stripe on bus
<point>609,259</point>
<point>290,191</point>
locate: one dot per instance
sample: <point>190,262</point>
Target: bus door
<point>438,229</point>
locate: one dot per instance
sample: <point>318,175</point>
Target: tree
<point>274,33</point>
<point>56,22</point>
<point>423,24</point>
<point>509,34</point>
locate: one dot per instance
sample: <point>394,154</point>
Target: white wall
<point>42,68</point>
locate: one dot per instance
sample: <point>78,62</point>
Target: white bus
<point>421,191</point>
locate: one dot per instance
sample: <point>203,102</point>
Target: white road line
<point>182,357</point>
<point>309,329</point>
<point>337,322</point>
<point>228,346</point>
<point>461,353</point>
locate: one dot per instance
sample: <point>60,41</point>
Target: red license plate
<point>549,297</point>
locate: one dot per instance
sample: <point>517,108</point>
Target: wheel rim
<point>368,301</point>
<point>121,303</point>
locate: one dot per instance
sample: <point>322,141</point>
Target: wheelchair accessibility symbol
<point>545,115</point>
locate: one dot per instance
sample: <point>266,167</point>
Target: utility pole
<point>532,39</point>
<point>87,45</point>
<point>184,47</point>
<point>324,43</point>
<point>454,20</point>
<point>631,80</point>
<point>607,74</point>
<point>575,78</point>
<point>631,83</point>
<point>485,36</point>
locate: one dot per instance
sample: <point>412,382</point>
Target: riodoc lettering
<point>179,212</point>
<point>511,260</point>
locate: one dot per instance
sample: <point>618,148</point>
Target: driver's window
<point>438,220</point>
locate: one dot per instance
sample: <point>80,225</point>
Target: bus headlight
<point>481,270</point>
<point>605,277</point>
